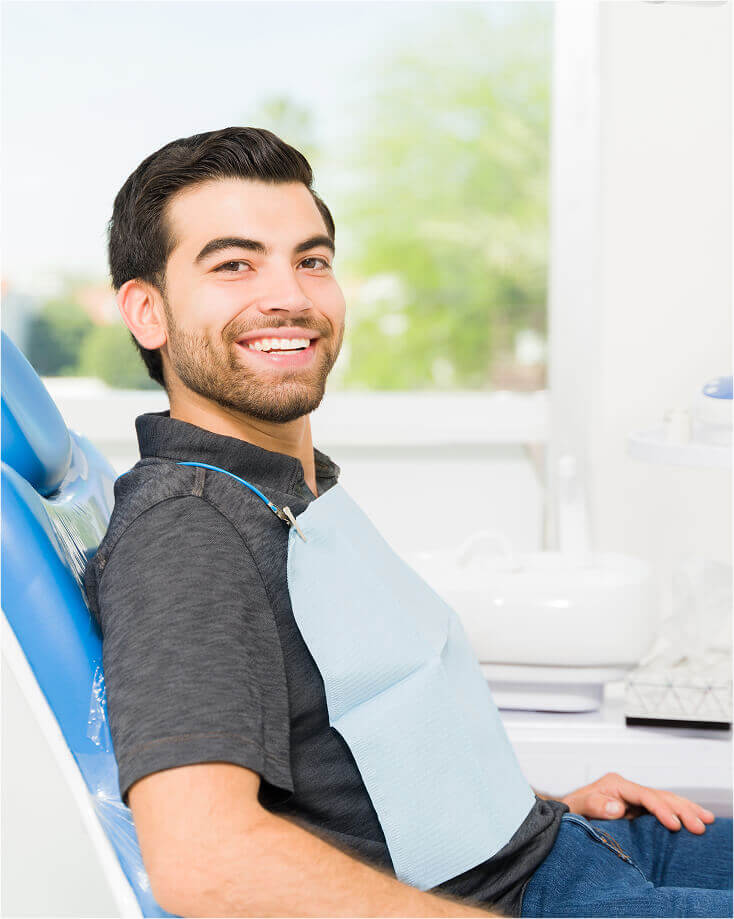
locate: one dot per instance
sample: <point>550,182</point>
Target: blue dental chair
<point>57,497</point>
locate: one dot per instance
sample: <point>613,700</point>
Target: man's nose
<point>283,293</point>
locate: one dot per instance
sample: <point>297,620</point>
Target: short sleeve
<point>192,660</point>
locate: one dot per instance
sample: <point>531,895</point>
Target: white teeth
<point>279,344</point>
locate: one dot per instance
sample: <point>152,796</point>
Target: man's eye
<point>317,258</point>
<point>231,266</point>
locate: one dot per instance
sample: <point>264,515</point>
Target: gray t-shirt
<point>203,659</point>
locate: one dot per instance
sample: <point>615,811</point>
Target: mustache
<point>323,331</point>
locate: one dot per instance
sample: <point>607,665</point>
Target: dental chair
<point>57,497</point>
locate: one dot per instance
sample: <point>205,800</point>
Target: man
<point>246,801</point>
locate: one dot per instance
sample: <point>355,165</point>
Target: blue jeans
<point>633,868</point>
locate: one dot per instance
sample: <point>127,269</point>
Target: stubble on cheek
<point>224,377</point>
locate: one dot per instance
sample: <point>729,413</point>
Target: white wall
<point>665,270</point>
<point>642,317</point>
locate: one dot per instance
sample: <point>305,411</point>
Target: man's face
<point>220,289</point>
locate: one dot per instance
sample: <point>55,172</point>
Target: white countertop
<point>559,752</point>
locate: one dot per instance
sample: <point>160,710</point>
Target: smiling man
<point>249,373</point>
<point>247,606</point>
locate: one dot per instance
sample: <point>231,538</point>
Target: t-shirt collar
<point>170,438</point>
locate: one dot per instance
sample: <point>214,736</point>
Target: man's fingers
<point>654,802</point>
<point>691,821</point>
<point>671,810</point>
<point>694,816</point>
<point>705,815</point>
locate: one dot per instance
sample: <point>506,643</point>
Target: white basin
<point>543,608</point>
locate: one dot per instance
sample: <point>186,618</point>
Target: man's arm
<point>198,711</point>
<point>210,849</point>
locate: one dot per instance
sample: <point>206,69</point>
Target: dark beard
<point>223,376</point>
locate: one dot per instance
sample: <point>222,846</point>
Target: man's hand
<point>611,797</point>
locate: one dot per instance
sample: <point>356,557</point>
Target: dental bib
<point>405,691</point>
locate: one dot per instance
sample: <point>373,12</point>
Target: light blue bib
<point>405,691</point>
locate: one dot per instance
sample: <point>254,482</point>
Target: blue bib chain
<point>286,514</point>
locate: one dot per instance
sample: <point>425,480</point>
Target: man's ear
<point>142,312</point>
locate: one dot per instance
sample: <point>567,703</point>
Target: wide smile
<point>284,359</point>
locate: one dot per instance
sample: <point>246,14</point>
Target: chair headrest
<point>35,439</point>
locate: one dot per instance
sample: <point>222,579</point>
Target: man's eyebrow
<point>239,242</point>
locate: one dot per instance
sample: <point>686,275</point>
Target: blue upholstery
<point>57,497</point>
<point>36,442</point>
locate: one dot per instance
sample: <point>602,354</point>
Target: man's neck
<point>292,438</point>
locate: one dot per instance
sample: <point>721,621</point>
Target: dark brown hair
<point>139,241</point>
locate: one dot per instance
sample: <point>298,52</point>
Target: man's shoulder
<point>149,483</point>
<point>156,497</point>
